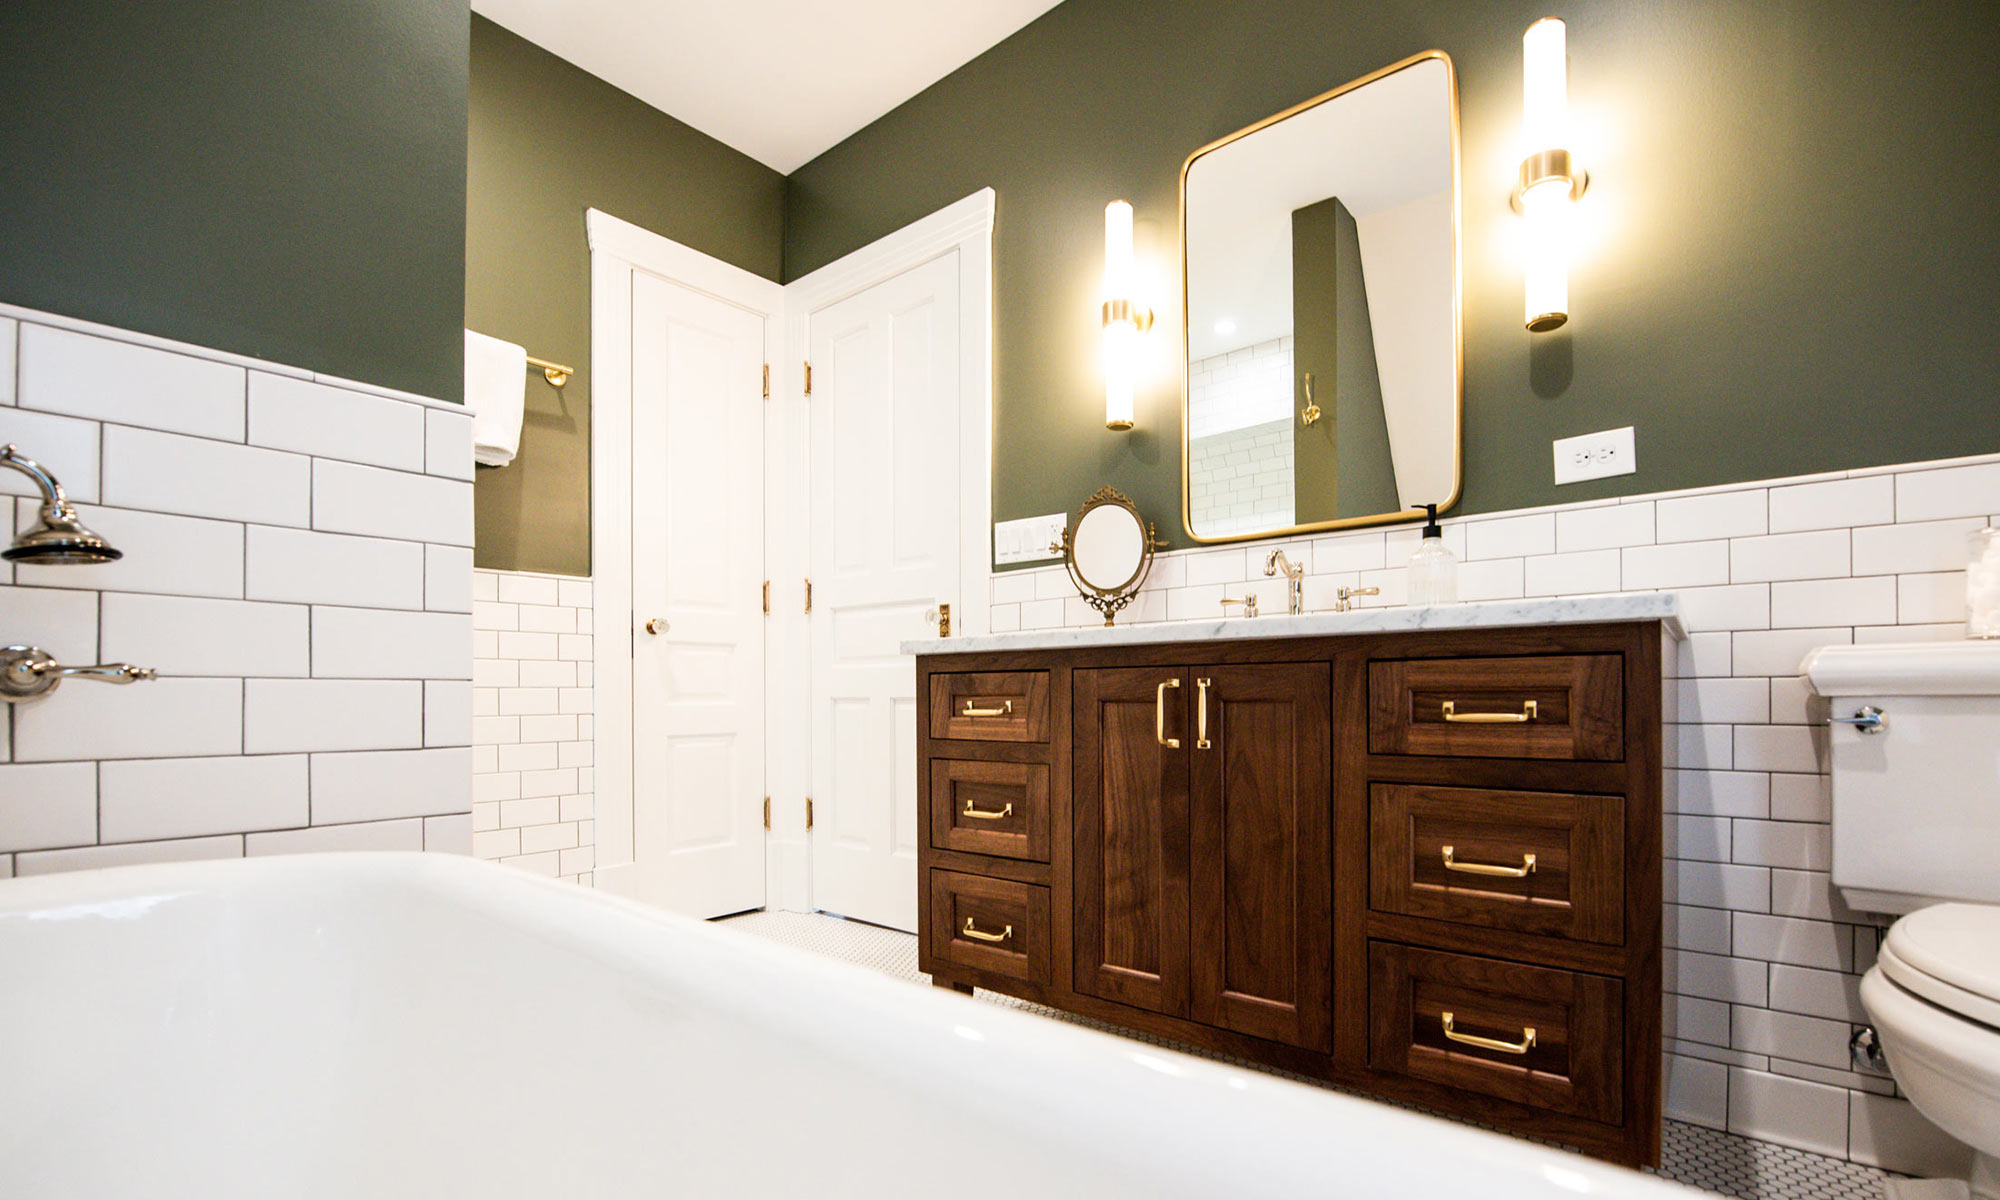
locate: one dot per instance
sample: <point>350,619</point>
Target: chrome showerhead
<point>59,537</point>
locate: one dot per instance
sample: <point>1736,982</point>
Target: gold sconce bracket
<point>1138,316</point>
<point>1545,165</point>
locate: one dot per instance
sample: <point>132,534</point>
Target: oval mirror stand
<point>1110,551</point>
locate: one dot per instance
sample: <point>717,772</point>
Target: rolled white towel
<point>495,392</point>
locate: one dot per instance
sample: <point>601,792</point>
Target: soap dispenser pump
<point>1433,576</point>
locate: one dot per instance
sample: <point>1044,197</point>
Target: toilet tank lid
<point>1958,944</point>
<point>1962,668</point>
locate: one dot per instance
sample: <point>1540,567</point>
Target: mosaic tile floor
<point>1690,1154</point>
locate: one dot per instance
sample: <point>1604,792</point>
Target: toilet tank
<point>1916,802</point>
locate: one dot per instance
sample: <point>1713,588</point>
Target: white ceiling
<point>780,80</point>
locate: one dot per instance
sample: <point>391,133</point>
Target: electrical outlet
<point>1595,456</point>
<point>1028,539</point>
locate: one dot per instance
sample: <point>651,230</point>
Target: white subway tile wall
<point>274,726</point>
<point>532,735</point>
<point>1240,438</point>
<point>1762,959</point>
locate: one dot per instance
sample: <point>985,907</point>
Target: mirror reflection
<point>1110,547</point>
<point>1321,258</point>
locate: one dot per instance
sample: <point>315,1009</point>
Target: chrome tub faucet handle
<point>28,672</point>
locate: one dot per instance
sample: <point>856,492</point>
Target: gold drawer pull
<point>987,814</point>
<point>980,935</point>
<point>1160,715</point>
<point>1006,709</point>
<point>1526,1043</point>
<point>1526,714</point>
<point>1201,741</point>
<point>1526,868</point>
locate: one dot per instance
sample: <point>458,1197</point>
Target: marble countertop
<point>1484,614</point>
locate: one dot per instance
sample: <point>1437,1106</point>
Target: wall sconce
<point>1124,318</point>
<point>1550,180</point>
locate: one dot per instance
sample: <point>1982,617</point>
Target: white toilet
<point>1916,829</point>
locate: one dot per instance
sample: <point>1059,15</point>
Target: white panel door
<point>885,529</point>
<point>697,576</point>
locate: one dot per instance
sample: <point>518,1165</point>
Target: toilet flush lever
<point>27,672</point>
<point>1868,719</point>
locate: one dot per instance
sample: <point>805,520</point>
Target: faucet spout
<point>1295,574</point>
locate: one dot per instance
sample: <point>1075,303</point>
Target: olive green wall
<point>548,142</point>
<point>279,180</point>
<point>1794,265</point>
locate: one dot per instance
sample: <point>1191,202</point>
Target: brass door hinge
<point>809,597</point>
<point>809,379</point>
<point>809,814</point>
<point>767,597</point>
<point>767,381</point>
<point>767,814</point>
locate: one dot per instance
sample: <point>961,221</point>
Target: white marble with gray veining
<point>1483,614</point>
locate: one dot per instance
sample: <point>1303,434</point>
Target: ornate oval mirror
<point>1110,551</point>
<point>1320,256</point>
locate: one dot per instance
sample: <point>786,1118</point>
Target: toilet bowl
<point>1934,995</point>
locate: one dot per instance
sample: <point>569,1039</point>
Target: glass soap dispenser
<point>1433,577</point>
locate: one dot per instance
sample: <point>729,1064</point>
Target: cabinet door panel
<point>1261,885</point>
<point>1130,837</point>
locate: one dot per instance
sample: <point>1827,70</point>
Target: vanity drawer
<point>999,808</point>
<point>1535,862</point>
<point>1008,706</point>
<point>1558,706</point>
<point>992,925</point>
<point>1544,1038</point>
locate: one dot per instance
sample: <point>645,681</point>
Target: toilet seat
<point>1949,954</point>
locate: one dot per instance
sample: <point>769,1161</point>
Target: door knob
<point>656,627</point>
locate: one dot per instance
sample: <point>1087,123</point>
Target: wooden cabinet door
<point>1129,817</point>
<point>1261,862</point>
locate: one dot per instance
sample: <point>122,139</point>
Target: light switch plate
<point>1595,456</point>
<point>1028,539</point>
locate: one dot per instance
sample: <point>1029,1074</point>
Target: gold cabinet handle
<point>1527,713</point>
<point>1526,868</point>
<point>988,814</point>
<point>980,935</point>
<point>1201,741</point>
<point>1526,1043</point>
<point>1006,709</point>
<point>1160,715</point>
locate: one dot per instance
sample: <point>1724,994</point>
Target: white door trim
<point>965,226</point>
<point>617,249</point>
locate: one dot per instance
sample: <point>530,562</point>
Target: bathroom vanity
<point>1413,852</point>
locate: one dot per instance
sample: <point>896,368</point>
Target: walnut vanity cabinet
<point>1423,865</point>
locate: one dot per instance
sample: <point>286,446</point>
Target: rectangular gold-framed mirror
<point>1320,273</point>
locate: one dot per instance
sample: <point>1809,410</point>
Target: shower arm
<point>52,492</point>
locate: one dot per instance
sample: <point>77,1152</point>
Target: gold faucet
<point>1295,575</point>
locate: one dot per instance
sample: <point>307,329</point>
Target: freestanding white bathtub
<point>384,1025</point>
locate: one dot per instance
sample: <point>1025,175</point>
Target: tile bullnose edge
<point>1483,614</point>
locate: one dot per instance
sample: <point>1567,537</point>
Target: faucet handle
<point>1343,597</point>
<point>1249,604</point>
<point>27,672</point>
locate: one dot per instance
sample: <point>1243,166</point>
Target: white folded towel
<point>496,385</point>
